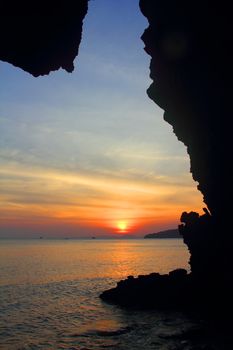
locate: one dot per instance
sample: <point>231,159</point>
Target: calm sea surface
<point>49,294</point>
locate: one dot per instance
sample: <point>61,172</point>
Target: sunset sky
<point>88,153</point>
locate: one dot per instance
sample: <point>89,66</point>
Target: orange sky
<point>43,201</point>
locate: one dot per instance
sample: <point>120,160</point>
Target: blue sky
<point>81,152</point>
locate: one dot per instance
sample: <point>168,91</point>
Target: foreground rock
<point>154,290</point>
<point>178,291</point>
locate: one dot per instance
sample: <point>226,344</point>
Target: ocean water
<point>49,294</point>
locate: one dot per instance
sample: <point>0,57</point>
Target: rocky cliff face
<point>41,36</point>
<point>191,68</point>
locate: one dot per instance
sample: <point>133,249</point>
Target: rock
<point>154,290</point>
<point>43,37</point>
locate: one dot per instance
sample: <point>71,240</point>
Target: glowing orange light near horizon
<point>122,226</point>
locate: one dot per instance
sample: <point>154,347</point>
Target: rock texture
<point>191,68</point>
<point>41,36</point>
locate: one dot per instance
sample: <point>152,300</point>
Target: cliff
<point>191,69</point>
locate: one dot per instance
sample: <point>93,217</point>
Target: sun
<point>122,226</point>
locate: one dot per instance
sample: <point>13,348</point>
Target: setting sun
<point>122,225</point>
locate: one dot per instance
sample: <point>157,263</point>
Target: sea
<point>49,294</point>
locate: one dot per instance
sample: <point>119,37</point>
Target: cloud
<point>33,192</point>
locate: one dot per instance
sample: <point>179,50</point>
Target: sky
<point>88,153</point>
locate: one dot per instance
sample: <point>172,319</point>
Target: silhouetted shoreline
<point>174,233</point>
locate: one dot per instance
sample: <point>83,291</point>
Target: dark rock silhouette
<point>197,232</point>
<point>43,36</point>
<point>191,71</point>
<point>174,233</point>
<point>154,290</point>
